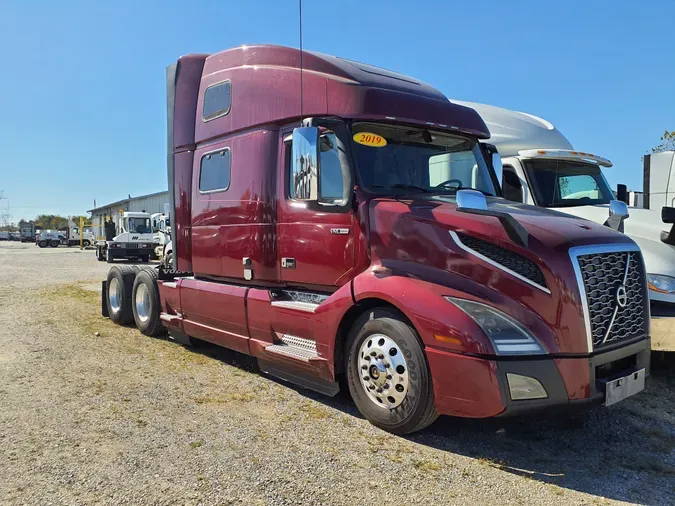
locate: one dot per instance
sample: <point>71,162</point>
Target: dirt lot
<point>125,419</point>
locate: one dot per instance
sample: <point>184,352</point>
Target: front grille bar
<point>616,306</point>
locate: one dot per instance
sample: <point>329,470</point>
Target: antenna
<point>300,10</point>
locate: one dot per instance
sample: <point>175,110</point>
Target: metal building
<point>152,203</point>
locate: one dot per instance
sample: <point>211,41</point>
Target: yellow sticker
<point>370,139</point>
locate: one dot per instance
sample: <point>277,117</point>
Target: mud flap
<point>104,299</point>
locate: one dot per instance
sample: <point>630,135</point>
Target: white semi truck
<point>133,239</point>
<point>541,167</point>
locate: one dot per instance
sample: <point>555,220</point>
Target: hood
<point>419,237</point>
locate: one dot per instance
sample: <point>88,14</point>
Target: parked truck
<point>131,238</point>
<point>542,168</point>
<point>28,232</point>
<point>161,226</point>
<point>359,232</point>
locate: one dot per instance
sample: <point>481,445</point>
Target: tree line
<point>45,222</point>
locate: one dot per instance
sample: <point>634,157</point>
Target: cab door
<point>315,242</point>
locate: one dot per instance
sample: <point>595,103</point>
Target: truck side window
<point>512,187</point>
<point>217,101</point>
<point>214,174</point>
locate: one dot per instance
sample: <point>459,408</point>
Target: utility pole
<point>4,213</point>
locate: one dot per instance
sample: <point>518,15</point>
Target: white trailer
<point>541,167</point>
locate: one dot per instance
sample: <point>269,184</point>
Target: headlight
<point>507,335</point>
<point>661,284</point>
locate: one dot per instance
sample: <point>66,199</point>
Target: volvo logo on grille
<point>621,296</point>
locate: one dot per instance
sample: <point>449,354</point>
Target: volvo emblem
<point>621,296</point>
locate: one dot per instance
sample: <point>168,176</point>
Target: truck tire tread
<point>153,326</point>
<point>125,276</point>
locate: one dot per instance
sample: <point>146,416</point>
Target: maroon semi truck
<point>337,220</point>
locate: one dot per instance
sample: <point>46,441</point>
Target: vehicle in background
<point>28,232</point>
<point>359,231</point>
<point>71,235</point>
<point>15,236</point>
<point>542,168</point>
<point>51,238</point>
<point>4,236</point>
<point>133,239</point>
<point>658,171</point>
<point>161,226</point>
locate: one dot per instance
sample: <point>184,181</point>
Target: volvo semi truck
<point>542,168</point>
<point>335,219</point>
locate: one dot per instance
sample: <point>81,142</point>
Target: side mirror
<point>622,193</point>
<point>618,211</point>
<point>471,199</point>
<point>668,214</point>
<point>305,164</point>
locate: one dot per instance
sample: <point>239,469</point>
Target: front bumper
<point>130,252</point>
<point>478,388</point>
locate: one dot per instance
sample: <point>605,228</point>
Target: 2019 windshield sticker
<point>370,139</point>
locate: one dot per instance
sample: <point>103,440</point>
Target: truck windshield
<point>562,183</point>
<point>139,225</point>
<point>401,160</point>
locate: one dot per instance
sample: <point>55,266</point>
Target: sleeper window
<point>217,100</point>
<point>215,171</point>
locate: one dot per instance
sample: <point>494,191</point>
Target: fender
<point>440,323</point>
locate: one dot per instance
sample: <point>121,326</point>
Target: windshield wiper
<point>401,186</point>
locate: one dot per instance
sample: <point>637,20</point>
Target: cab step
<point>294,347</point>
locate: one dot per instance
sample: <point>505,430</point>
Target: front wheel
<point>388,374</point>
<point>42,244</point>
<point>86,243</point>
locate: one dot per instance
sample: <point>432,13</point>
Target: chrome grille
<point>606,277</point>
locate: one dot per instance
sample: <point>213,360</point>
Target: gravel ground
<point>125,419</point>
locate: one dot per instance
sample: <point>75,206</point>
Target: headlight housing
<point>661,284</point>
<point>507,335</point>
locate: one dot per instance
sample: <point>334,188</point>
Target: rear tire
<point>42,244</point>
<point>120,284</point>
<point>145,303</point>
<point>54,244</point>
<point>387,373</point>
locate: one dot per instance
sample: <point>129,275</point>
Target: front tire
<point>108,256</point>
<point>120,284</point>
<point>387,373</point>
<point>86,243</point>
<point>42,244</point>
<point>145,302</point>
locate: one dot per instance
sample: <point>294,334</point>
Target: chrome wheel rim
<point>142,303</point>
<point>383,371</point>
<point>115,295</point>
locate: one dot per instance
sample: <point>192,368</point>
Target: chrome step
<point>294,347</point>
<point>307,307</point>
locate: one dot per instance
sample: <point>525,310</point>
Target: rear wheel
<point>146,306</point>
<point>120,284</point>
<point>387,373</point>
<point>42,244</point>
<point>54,244</point>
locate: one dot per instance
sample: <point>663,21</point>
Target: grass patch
<point>223,399</point>
<point>315,412</point>
<point>426,465</point>
<point>196,444</point>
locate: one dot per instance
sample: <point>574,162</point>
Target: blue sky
<point>82,97</point>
